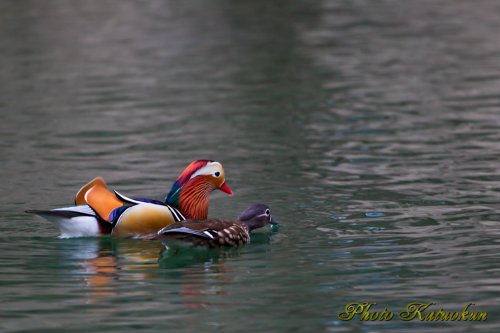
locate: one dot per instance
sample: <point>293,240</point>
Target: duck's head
<point>190,191</point>
<point>257,216</point>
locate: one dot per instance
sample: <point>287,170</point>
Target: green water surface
<point>371,129</point>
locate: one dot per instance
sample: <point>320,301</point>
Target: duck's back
<point>212,233</point>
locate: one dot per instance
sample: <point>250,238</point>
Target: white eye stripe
<point>210,169</point>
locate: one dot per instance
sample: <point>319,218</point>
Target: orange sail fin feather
<point>80,196</point>
<point>103,201</point>
<point>97,195</point>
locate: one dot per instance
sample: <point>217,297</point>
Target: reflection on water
<point>110,257</point>
<point>199,279</point>
<point>370,128</point>
<point>104,261</point>
<point>195,270</point>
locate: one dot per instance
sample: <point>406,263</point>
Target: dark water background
<point>371,128</point>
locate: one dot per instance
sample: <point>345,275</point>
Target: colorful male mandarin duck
<point>100,211</point>
<point>215,233</point>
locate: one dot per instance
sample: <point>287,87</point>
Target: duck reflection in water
<point>194,273</point>
<point>109,263</point>
<point>119,260</point>
<point>200,272</point>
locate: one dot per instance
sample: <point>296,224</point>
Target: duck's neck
<point>252,224</point>
<point>193,199</point>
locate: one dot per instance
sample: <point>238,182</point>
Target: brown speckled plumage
<point>216,233</point>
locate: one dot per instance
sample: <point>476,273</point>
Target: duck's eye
<point>217,174</point>
<point>268,212</point>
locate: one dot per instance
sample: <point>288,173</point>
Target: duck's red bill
<point>226,189</point>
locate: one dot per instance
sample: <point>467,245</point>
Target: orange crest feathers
<point>190,170</point>
<point>173,196</point>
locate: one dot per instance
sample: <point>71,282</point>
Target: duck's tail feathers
<point>76,221</point>
<point>68,212</point>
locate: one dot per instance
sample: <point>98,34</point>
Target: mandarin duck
<point>215,233</point>
<point>100,211</point>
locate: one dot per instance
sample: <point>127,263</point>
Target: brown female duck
<point>215,233</point>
